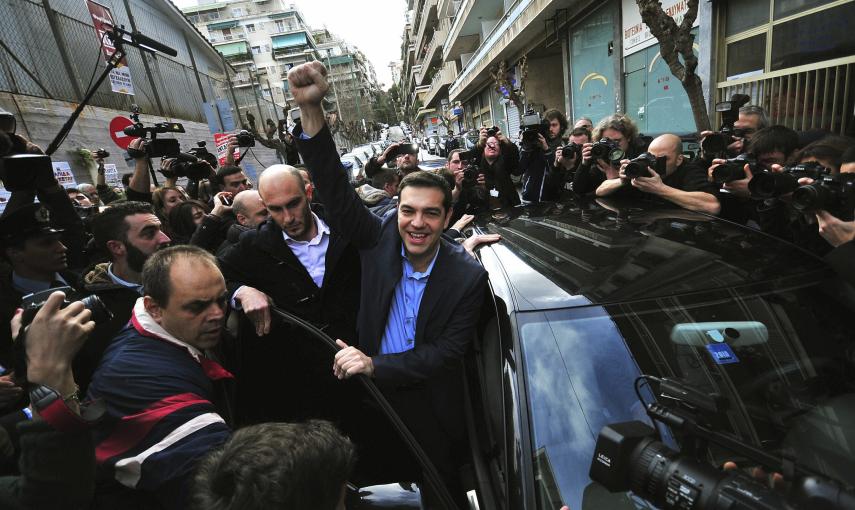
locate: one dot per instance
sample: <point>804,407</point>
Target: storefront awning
<point>288,40</point>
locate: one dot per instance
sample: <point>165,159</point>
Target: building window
<point>237,12</point>
<point>250,28</point>
<point>746,57</point>
<point>256,50</point>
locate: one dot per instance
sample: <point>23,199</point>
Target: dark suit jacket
<point>449,309</point>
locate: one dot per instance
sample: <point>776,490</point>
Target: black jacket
<point>498,174</point>
<point>287,363</point>
<point>448,311</point>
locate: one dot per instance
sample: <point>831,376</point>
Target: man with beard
<point>406,161</point>
<point>128,233</point>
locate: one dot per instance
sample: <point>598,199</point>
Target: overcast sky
<point>375,27</point>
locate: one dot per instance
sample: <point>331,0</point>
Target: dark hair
<point>181,219</point>
<point>581,131</point>
<point>126,179</point>
<point>553,114</point>
<point>155,273</point>
<point>423,179</point>
<point>224,171</point>
<point>848,156</point>
<point>620,123</point>
<point>830,148</point>
<point>383,177</point>
<point>158,199</point>
<point>110,225</point>
<point>774,138</point>
<point>299,466</point>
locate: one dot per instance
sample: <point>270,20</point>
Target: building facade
<point>593,58</point>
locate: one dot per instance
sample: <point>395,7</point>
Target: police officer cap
<point>27,221</point>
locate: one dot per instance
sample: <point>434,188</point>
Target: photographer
<point>838,233</point>
<point>499,160</point>
<point>536,159</point>
<point>679,182</point>
<point>564,169</point>
<point>406,160</point>
<point>105,193</point>
<point>57,459</point>
<point>139,186</point>
<point>750,119</point>
<point>621,135</point>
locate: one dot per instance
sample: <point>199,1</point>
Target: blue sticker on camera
<point>722,354</point>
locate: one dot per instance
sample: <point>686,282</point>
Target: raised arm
<point>345,211</point>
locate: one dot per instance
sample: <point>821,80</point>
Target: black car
<point>587,295</point>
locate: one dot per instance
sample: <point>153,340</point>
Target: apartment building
<point>592,58</point>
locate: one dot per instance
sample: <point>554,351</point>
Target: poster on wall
<point>636,35</point>
<point>64,175</point>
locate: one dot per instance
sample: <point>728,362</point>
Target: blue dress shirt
<point>400,331</point>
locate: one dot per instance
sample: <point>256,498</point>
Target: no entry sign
<point>117,133</point>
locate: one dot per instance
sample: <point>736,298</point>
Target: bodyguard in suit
<point>421,295</point>
<point>299,263</point>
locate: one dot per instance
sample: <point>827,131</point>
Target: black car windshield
<point>788,372</point>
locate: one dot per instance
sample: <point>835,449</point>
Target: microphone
<point>140,41</point>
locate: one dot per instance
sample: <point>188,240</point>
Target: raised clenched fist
<point>308,83</point>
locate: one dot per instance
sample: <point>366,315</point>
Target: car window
<point>783,358</point>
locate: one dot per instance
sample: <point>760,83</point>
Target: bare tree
<point>675,41</point>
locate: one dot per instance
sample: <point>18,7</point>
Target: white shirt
<point>312,253</point>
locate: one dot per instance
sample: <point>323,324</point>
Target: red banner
<point>221,141</point>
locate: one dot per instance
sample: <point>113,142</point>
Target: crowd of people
<point>150,364</point>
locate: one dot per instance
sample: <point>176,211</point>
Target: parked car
<point>586,295</point>
<point>357,166</point>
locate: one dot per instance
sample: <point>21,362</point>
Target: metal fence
<point>50,50</point>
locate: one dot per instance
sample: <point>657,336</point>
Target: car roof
<point>583,251</point>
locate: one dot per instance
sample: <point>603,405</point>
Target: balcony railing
<point>817,96</point>
<point>443,77</point>
<point>228,38</point>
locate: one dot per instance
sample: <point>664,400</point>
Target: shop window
<point>592,64</point>
<point>746,57</point>
<point>824,35</point>
<point>746,14</point>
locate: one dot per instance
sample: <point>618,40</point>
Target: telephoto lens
<point>732,169</point>
<point>639,166</point>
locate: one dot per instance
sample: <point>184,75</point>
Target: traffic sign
<point>117,133</point>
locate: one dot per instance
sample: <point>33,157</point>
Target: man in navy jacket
<point>421,295</point>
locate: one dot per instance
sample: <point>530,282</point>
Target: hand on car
<point>834,230</point>
<point>256,305</point>
<point>464,220</point>
<point>350,361</point>
<point>472,243</point>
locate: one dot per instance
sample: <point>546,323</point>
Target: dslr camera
<point>607,150</point>
<point>154,147</point>
<point>639,166</point>
<point>832,193</point>
<point>772,185</point>
<point>734,169</point>
<point>571,150</point>
<point>245,139</point>
<point>715,145</point>
<point>492,131</point>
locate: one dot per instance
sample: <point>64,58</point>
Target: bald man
<point>249,209</point>
<point>676,180</point>
<point>297,263</point>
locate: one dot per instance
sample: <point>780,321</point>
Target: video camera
<point>715,145</point>
<point>155,147</point>
<point>628,456</point>
<point>532,124</point>
<point>201,152</point>
<point>733,169</point>
<point>19,170</point>
<point>772,184</point>
<point>639,166</point>
<point>189,166</point>
<point>832,193</point>
<point>607,150</point>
